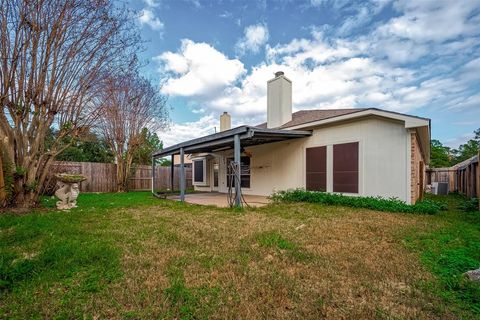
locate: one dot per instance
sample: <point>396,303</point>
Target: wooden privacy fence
<point>142,178</point>
<point>442,175</point>
<point>463,177</point>
<point>102,177</point>
<point>467,177</point>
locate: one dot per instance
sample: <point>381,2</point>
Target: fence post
<point>478,179</point>
<point>153,174</point>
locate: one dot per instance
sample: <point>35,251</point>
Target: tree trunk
<point>120,174</point>
<point>24,198</point>
<point>28,185</point>
<point>3,193</point>
<point>128,168</point>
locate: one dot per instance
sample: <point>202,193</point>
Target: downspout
<point>182,175</point>
<point>237,159</point>
<point>153,175</point>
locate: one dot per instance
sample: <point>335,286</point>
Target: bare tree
<point>53,55</point>
<point>130,103</point>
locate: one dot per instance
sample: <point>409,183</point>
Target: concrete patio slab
<point>219,199</point>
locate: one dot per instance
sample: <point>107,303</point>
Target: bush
<point>373,203</point>
<point>469,205</point>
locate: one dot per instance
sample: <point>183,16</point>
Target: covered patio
<point>220,199</point>
<point>236,139</point>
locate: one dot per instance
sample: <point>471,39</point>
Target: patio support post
<point>236,147</point>
<point>172,172</point>
<point>182,175</point>
<point>153,174</point>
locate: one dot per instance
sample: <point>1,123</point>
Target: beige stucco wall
<point>384,159</point>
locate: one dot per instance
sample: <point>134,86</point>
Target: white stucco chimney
<point>279,100</point>
<point>225,121</point>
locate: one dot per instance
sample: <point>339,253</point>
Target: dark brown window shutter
<point>345,167</point>
<point>198,170</point>
<point>316,169</point>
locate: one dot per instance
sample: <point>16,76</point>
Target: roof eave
<point>226,137</point>
<point>410,121</point>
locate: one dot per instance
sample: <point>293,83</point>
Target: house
<point>366,152</point>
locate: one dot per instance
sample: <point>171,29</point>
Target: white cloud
<point>336,4</point>
<point>226,15</point>
<point>299,51</point>
<point>362,17</point>
<point>147,17</point>
<point>179,132</point>
<point>195,3</point>
<point>152,3</point>
<point>436,21</point>
<point>173,62</point>
<point>255,36</point>
<point>454,143</point>
<point>394,66</point>
<point>198,70</point>
<point>472,101</point>
<point>317,3</point>
<point>363,13</point>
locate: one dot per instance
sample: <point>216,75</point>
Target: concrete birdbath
<point>68,190</point>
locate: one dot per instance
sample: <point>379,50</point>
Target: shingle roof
<point>305,116</point>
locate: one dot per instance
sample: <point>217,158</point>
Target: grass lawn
<point>132,256</point>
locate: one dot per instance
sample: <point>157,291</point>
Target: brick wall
<point>416,159</point>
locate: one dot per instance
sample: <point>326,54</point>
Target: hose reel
<point>235,173</point>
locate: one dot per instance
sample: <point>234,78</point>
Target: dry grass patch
<point>269,263</point>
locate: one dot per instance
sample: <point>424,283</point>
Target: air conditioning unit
<point>440,188</point>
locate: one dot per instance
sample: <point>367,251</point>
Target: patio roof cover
<point>249,136</point>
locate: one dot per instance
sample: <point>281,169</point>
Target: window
<point>244,172</point>
<point>316,169</point>
<point>345,167</point>
<point>199,173</point>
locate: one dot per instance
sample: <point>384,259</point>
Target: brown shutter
<point>316,169</point>
<point>198,170</point>
<point>345,167</point>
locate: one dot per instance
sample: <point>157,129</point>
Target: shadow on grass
<point>450,250</point>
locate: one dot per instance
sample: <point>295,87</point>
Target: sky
<point>415,57</point>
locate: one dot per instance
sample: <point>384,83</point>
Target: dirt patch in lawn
<point>326,262</point>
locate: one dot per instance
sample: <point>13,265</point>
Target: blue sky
<point>415,57</point>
